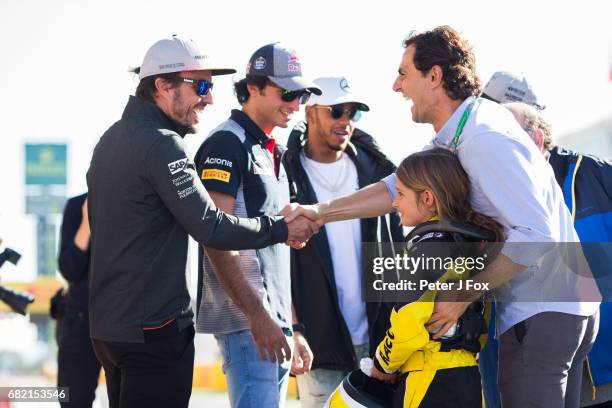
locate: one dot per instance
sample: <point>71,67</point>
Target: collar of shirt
<point>255,131</point>
<point>270,143</point>
<point>251,127</point>
<point>444,138</point>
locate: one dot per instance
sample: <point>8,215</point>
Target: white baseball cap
<point>176,54</point>
<point>336,91</point>
<point>506,87</point>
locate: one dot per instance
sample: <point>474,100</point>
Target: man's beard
<point>337,148</point>
<point>181,117</point>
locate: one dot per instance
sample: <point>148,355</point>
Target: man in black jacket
<point>144,198</point>
<point>328,157</point>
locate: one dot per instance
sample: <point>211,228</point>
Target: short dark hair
<point>146,87</point>
<point>444,46</point>
<point>240,87</point>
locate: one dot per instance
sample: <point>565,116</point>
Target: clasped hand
<point>303,221</point>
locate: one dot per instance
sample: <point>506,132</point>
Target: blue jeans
<point>251,381</point>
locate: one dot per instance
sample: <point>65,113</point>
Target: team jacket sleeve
<point>173,176</point>
<point>220,163</point>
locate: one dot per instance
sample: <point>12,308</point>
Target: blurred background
<point>64,80</point>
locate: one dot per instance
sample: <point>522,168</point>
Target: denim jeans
<point>251,381</point>
<point>317,385</point>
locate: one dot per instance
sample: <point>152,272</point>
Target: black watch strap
<point>299,327</point>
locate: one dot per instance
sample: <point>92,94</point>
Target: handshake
<point>303,221</point>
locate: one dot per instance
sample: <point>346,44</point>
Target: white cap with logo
<point>176,54</point>
<point>506,87</point>
<point>336,91</point>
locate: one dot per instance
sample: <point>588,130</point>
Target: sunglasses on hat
<point>202,86</point>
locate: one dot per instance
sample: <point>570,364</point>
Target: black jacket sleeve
<point>173,176</point>
<point>73,263</point>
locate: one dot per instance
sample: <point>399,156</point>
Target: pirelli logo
<point>216,174</point>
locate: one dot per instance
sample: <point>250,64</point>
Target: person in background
<point>77,365</point>
<point>586,182</point>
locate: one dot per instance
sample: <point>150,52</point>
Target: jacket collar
<point>140,108</point>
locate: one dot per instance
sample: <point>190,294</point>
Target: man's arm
<point>174,178</point>
<point>301,362</point>
<point>371,201</point>
<point>268,336</point>
<point>446,313</point>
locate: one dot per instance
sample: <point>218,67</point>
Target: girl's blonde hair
<point>440,171</point>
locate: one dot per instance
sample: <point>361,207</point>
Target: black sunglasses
<point>290,96</point>
<point>202,86</point>
<point>337,112</point>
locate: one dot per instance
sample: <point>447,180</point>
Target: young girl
<point>433,195</point>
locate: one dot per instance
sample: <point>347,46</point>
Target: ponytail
<point>488,223</point>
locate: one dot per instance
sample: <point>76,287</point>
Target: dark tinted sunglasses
<point>202,86</point>
<point>337,112</point>
<point>290,96</point>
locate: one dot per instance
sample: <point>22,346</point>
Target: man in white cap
<point>329,157</point>
<point>144,198</point>
<point>245,296</point>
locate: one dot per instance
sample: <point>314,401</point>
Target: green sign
<point>45,164</point>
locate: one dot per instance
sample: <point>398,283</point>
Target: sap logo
<point>216,160</point>
<point>177,166</point>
